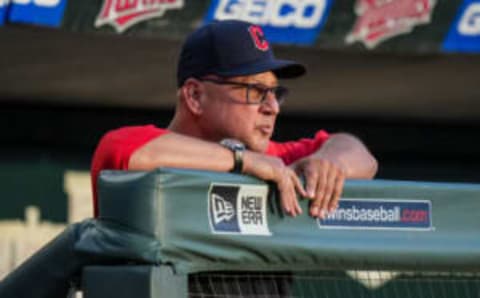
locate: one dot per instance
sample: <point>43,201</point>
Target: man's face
<point>228,115</point>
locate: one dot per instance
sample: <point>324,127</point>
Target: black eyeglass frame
<point>280,92</point>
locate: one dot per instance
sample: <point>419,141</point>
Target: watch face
<point>233,144</point>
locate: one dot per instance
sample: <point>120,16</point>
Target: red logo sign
<point>380,20</point>
<point>258,37</point>
<point>122,14</point>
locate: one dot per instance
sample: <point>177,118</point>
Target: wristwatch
<point>238,148</point>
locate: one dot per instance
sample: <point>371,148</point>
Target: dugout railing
<point>186,233</point>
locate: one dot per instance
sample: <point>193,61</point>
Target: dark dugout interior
<point>61,91</point>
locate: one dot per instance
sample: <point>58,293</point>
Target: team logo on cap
<point>380,20</point>
<point>122,14</point>
<point>238,209</point>
<point>258,37</point>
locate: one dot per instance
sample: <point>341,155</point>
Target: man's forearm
<point>351,154</point>
<point>179,151</point>
<point>176,150</point>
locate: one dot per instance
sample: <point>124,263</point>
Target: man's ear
<point>192,91</point>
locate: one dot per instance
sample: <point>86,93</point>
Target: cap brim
<point>289,70</point>
<point>283,69</point>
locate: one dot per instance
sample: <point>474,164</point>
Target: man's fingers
<point>322,178</point>
<point>311,181</point>
<point>337,192</point>
<point>315,208</point>
<point>324,181</point>
<point>284,199</point>
<point>273,169</point>
<point>321,183</point>
<point>288,195</point>
<point>328,194</point>
<point>298,185</point>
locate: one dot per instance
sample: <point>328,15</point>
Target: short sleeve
<point>115,148</point>
<point>292,151</point>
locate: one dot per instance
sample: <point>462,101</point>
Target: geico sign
<point>45,3</point>
<point>470,21</point>
<point>277,13</point>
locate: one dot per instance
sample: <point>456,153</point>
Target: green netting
<point>336,284</point>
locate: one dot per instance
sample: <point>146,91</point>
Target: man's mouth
<point>265,129</point>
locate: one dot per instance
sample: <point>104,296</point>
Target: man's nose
<point>271,104</point>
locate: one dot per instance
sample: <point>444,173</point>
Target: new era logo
<point>222,209</point>
<point>238,209</point>
<point>123,14</point>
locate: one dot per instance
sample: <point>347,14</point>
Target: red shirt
<point>115,148</point>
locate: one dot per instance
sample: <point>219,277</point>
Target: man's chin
<point>259,146</point>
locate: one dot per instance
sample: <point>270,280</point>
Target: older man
<point>228,100</point>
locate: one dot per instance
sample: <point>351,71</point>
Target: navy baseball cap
<point>231,48</point>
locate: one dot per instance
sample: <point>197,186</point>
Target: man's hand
<point>324,181</point>
<point>342,156</point>
<point>273,169</point>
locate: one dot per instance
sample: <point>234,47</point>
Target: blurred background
<point>403,75</point>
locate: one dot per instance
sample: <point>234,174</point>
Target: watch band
<point>237,148</point>
<point>238,156</point>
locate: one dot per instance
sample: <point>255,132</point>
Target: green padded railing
<point>432,225</point>
<point>178,233</point>
<point>224,235</point>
